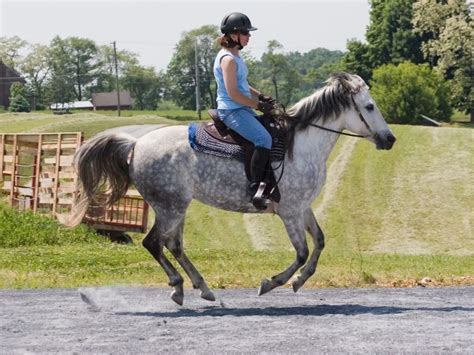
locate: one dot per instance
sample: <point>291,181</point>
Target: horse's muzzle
<point>384,141</point>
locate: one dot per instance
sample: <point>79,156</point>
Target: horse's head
<point>343,103</point>
<point>363,116</point>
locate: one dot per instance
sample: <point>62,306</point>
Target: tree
<point>18,101</point>
<point>356,59</point>
<point>60,86</point>
<point>276,65</point>
<point>181,69</point>
<point>274,74</point>
<point>10,48</point>
<point>449,46</point>
<point>36,69</point>
<point>105,79</point>
<point>76,58</point>
<point>390,39</point>
<point>83,56</point>
<point>144,86</point>
<point>313,67</point>
<point>403,92</point>
<point>390,34</point>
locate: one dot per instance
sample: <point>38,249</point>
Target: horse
<point>168,173</point>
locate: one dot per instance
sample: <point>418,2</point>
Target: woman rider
<point>236,98</point>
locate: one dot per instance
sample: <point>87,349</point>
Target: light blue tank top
<point>223,99</point>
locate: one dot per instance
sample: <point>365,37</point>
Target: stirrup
<point>260,201</point>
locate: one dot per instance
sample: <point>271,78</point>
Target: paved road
<point>138,320</point>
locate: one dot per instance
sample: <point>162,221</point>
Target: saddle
<point>277,129</point>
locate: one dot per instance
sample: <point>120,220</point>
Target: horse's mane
<point>326,103</point>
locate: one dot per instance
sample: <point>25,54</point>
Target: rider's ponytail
<point>226,42</point>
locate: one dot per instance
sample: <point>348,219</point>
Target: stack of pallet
<point>37,173</point>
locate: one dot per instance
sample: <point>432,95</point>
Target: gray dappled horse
<point>168,173</point>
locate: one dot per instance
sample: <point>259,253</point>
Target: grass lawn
<point>390,219</point>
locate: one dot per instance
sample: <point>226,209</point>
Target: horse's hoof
<point>208,295</point>
<point>297,283</point>
<point>265,286</point>
<point>177,297</point>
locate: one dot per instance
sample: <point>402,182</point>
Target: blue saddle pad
<point>202,142</point>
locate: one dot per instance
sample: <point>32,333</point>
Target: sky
<point>153,28</point>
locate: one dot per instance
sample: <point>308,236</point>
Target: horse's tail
<point>101,161</point>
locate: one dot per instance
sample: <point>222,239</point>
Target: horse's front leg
<point>309,269</point>
<point>295,228</point>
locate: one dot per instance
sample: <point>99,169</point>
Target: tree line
<point>417,58</point>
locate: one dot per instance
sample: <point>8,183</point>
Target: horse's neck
<point>313,145</point>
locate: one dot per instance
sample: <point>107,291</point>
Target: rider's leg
<point>243,122</point>
<point>258,166</point>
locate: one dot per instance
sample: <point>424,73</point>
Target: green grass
<point>177,115</point>
<point>395,218</point>
<point>74,265</point>
<point>89,123</point>
<point>415,199</point>
<point>25,229</point>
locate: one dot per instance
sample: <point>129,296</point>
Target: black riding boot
<point>257,185</point>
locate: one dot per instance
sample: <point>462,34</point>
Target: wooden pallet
<point>37,173</point>
<point>37,170</point>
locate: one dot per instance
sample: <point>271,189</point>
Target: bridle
<point>344,133</point>
<point>282,107</point>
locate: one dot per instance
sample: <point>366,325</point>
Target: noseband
<point>349,134</point>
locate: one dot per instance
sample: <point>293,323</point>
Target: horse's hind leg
<point>316,233</point>
<point>295,227</point>
<point>175,246</point>
<point>154,242</point>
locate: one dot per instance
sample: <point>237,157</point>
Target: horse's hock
<point>37,174</point>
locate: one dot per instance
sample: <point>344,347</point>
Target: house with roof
<point>109,100</point>
<point>8,76</point>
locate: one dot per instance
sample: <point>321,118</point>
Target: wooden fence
<point>37,173</point>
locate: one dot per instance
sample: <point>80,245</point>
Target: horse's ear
<point>353,84</point>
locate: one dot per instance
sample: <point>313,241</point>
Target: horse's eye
<point>370,107</point>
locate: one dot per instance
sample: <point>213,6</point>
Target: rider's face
<point>243,37</point>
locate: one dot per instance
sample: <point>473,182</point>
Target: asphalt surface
<point>145,320</point>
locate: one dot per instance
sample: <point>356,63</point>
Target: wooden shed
<point>108,100</point>
<point>8,76</point>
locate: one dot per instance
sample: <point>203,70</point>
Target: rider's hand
<point>266,98</point>
<point>265,107</point>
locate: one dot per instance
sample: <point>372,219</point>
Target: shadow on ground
<point>313,311</point>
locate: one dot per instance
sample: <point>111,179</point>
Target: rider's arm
<point>254,91</point>
<point>229,71</point>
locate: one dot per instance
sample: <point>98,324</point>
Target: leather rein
<point>344,133</point>
<point>282,164</point>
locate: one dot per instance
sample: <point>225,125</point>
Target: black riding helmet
<point>236,21</point>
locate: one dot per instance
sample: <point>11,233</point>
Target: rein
<point>348,134</point>
<point>282,107</point>
<point>338,132</point>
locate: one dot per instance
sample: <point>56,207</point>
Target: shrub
<point>19,104</point>
<point>18,101</point>
<point>405,91</point>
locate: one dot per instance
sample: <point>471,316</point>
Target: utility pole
<point>196,61</point>
<point>117,79</point>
